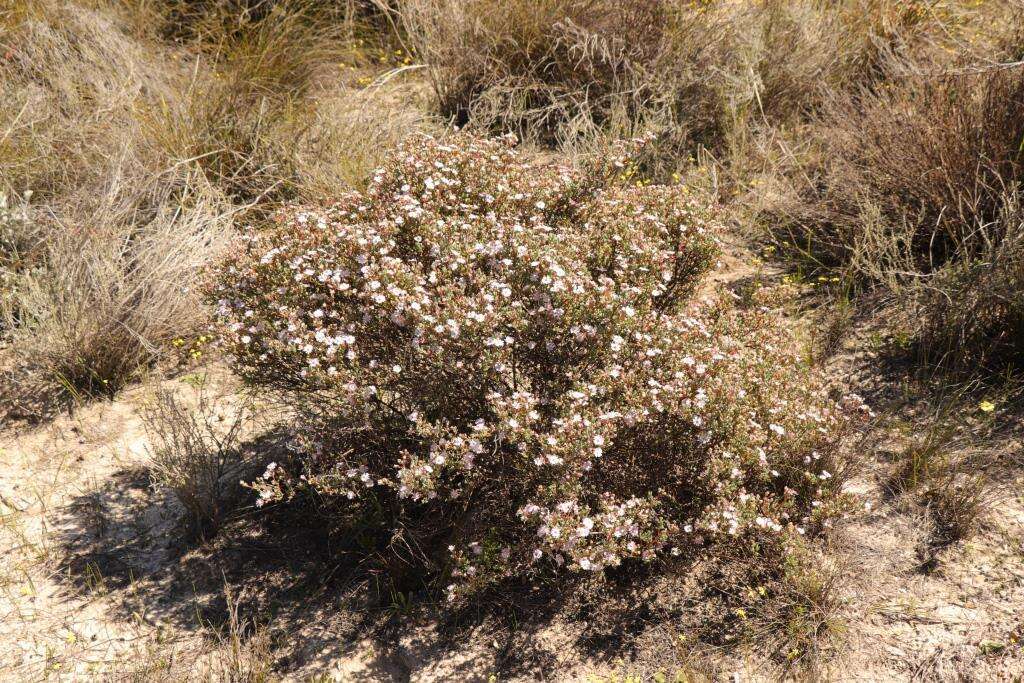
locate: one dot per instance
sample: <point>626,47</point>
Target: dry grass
<point>118,231</point>
<point>197,453</point>
<point>100,299</point>
<point>141,153</point>
<point>914,183</point>
<point>577,72</point>
<point>703,75</point>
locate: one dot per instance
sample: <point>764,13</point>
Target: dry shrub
<point>914,182</point>
<point>568,70</point>
<point>500,364</point>
<point>197,451</point>
<point>971,311</point>
<point>927,163</point>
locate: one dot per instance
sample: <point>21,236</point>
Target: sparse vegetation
<point>198,452</point>
<point>236,652</point>
<point>798,614</point>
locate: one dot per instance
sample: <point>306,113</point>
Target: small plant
<point>236,650</point>
<point>196,452</point>
<point>503,362</point>
<point>955,506</point>
<point>246,646</point>
<point>832,324</point>
<point>808,602</point>
<point>924,461</point>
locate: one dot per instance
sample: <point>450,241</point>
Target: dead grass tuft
<point>102,298</point>
<point>956,506</point>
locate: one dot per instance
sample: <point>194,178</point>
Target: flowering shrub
<point>508,360</point>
